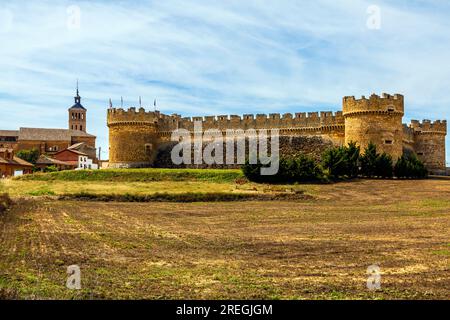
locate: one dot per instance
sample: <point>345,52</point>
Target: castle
<point>138,138</point>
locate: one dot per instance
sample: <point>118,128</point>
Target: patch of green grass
<point>138,175</point>
<point>337,295</point>
<point>442,252</point>
<point>436,203</point>
<point>41,192</point>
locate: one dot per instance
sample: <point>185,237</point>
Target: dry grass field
<point>318,248</point>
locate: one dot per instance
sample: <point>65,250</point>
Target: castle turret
<point>377,120</point>
<point>132,137</point>
<point>429,143</point>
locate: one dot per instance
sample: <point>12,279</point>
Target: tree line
<point>345,162</point>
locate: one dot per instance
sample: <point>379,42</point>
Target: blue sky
<point>219,57</point>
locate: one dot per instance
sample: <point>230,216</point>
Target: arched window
<point>81,127</point>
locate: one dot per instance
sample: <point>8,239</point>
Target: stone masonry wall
<point>313,146</point>
<point>141,138</point>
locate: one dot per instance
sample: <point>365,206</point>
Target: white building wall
<point>84,163</point>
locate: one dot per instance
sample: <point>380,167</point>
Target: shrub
<point>51,169</point>
<point>384,166</point>
<point>410,167</point>
<point>252,171</point>
<point>30,156</point>
<point>335,161</point>
<point>342,161</point>
<point>369,161</point>
<point>296,169</point>
<point>306,170</point>
<point>352,153</point>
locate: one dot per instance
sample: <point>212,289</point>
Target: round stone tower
<point>377,120</point>
<point>430,144</point>
<point>132,138</point>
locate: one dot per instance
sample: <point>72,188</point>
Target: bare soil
<point>316,248</point>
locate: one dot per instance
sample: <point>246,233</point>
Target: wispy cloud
<point>219,57</point>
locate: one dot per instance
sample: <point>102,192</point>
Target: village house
<point>77,159</point>
<point>44,162</point>
<point>10,165</point>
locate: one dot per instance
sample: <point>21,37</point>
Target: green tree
<point>334,160</point>
<point>342,161</point>
<point>252,171</point>
<point>401,168</point>
<point>306,169</point>
<point>30,156</point>
<point>418,167</point>
<point>293,169</point>
<point>384,166</point>
<point>369,161</point>
<point>410,167</point>
<point>352,154</point>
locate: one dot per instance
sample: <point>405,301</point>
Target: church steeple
<point>77,114</point>
<point>77,97</point>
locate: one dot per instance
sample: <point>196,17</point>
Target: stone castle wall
<point>314,146</point>
<point>139,138</point>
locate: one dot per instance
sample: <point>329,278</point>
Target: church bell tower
<point>77,114</point>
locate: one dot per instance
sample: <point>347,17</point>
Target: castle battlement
<point>258,121</point>
<point>385,103</point>
<point>428,126</point>
<point>299,115</point>
<point>273,120</point>
<point>116,115</point>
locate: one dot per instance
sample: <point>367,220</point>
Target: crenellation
<point>428,126</point>
<point>259,121</point>
<point>375,104</point>
<point>275,116</point>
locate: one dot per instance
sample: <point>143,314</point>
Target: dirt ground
<point>309,249</point>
